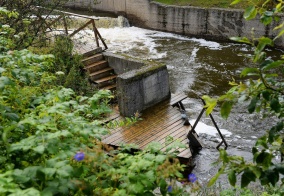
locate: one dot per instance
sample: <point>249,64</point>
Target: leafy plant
<point>50,136</point>
<point>263,90</point>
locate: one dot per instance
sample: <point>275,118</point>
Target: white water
<point>209,130</point>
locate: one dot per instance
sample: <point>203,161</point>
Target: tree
<point>264,91</point>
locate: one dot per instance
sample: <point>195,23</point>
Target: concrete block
<point>121,64</point>
<point>142,88</point>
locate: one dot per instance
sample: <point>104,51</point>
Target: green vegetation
<point>201,3</point>
<point>263,92</point>
<point>214,3</point>
<point>50,135</point>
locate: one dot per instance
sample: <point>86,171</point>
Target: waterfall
<point>106,22</point>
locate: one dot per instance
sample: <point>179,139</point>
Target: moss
<point>153,66</point>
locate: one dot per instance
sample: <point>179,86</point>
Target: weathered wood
<point>135,138</point>
<point>82,27</point>
<point>158,123</point>
<point>156,111</point>
<point>95,33</point>
<point>129,131</point>
<point>98,33</point>
<point>138,128</point>
<point>177,98</point>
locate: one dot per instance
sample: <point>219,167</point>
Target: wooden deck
<point>157,123</point>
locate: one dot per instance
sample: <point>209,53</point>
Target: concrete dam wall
<point>213,23</point>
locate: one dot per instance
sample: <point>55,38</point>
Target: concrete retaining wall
<point>139,85</point>
<point>142,88</point>
<point>216,24</point>
<point>122,64</point>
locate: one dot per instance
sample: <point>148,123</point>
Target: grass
<point>204,3</point>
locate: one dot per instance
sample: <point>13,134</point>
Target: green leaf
<point>252,105</point>
<point>12,116</point>
<point>256,170</point>
<point>2,70</point>
<point>49,172</point>
<point>279,34</point>
<point>26,192</point>
<point>266,19</point>
<point>263,42</point>
<point>232,177</point>
<point>160,158</point>
<point>249,70</point>
<point>266,95</point>
<point>39,149</point>
<point>64,171</point>
<point>214,179</point>
<point>250,12</point>
<point>163,187</point>
<point>275,105</point>
<point>224,156</point>
<point>241,39</point>
<point>235,2</point>
<point>210,104</point>
<point>266,62</point>
<point>247,177</point>
<point>264,159</point>
<point>280,168</point>
<point>270,176</point>
<point>273,65</point>
<point>262,141</point>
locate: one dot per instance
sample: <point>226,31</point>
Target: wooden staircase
<point>100,73</point>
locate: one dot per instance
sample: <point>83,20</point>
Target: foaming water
<point>209,130</point>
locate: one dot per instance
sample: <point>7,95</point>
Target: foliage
<point>50,136</point>
<point>68,67</point>
<point>204,3</point>
<point>26,24</point>
<point>263,90</point>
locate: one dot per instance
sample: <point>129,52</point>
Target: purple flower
<point>79,156</point>
<point>192,178</point>
<point>170,189</point>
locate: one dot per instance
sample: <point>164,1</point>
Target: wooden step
<point>101,73</point>
<point>92,59</point>
<point>96,66</point>
<point>105,79</point>
<point>110,87</point>
<point>92,52</point>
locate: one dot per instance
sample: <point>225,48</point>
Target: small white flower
<point>60,73</point>
<point>5,26</point>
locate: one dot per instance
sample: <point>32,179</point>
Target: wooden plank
<point>152,131</point>
<point>158,122</point>
<point>186,153</point>
<point>162,134</point>
<point>178,134</point>
<point>139,128</point>
<point>82,27</point>
<point>145,120</point>
<point>177,98</point>
<point>181,134</point>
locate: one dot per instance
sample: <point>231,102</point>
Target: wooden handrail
<point>90,21</point>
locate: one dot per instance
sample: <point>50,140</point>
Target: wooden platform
<point>158,122</point>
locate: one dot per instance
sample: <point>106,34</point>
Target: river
<point>197,67</point>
